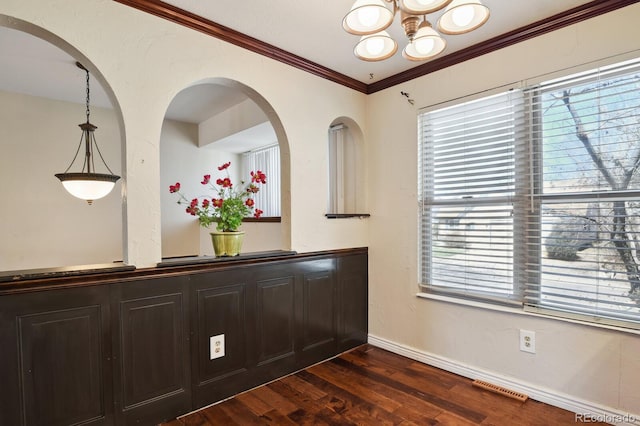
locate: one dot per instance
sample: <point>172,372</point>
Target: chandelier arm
<point>101,157</point>
<point>91,167</point>
<point>76,155</point>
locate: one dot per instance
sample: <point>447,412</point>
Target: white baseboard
<point>548,396</point>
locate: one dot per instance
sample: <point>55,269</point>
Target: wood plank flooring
<point>371,386</point>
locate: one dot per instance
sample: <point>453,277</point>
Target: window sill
<point>347,215</point>
<point>266,219</point>
<point>520,311</point>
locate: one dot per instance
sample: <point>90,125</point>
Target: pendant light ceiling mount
<point>87,184</point>
<point>370,18</point>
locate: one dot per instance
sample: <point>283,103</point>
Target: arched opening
<point>210,123</point>
<point>42,101</point>
<point>347,194</point>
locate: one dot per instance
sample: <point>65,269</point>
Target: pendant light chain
<point>88,94</point>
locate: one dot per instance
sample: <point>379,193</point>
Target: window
<point>533,197</point>
<point>267,160</point>
<point>468,163</point>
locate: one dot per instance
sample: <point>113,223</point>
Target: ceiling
<point>311,31</point>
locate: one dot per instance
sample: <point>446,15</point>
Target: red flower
<point>258,213</point>
<point>194,203</point>
<point>206,179</point>
<point>217,202</point>
<point>218,181</point>
<point>225,183</point>
<point>249,202</point>
<point>192,210</point>
<point>258,177</point>
<point>224,166</point>
<point>205,203</point>
<point>174,188</point>
<point>252,188</point>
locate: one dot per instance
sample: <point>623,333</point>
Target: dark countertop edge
<point>15,282</point>
<point>198,260</point>
<point>64,271</point>
<point>346,215</point>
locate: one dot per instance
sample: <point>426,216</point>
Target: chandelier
<point>370,18</point>
<point>87,184</point>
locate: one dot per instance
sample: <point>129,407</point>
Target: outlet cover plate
<point>216,346</point>
<point>528,341</point>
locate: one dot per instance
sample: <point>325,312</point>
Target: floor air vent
<point>500,390</point>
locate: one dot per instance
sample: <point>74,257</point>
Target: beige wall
<point>145,61</point>
<point>41,225</point>
<point>591,364</point>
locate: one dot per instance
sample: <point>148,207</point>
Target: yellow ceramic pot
<point>227,243</point>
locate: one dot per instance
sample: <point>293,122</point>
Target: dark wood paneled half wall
<point>134,347</point>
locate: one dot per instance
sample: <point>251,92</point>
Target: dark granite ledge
<point>347,215</point>
<point>64,271</point>
<point>198,260</point>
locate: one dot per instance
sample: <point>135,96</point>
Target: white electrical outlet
<point>528,341</point>
<point>216,346</point>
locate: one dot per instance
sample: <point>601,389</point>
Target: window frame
<point>528,200</point>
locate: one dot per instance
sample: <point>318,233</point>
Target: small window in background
<point>267,160</point>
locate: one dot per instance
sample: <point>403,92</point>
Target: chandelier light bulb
<point>425,45</point>
<point>463,15</point>
<point>368,16</point>
<point>375,47</point>
<point>422,7</point>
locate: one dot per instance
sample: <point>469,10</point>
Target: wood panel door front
<point>151,330</point>
<point>55,367</point>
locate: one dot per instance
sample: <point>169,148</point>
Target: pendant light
<point>87,184</point>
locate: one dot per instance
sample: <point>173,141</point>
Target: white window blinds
<point>266,160</point>
<point>584,260</point>
<point>533,197</point>
<point>468,196</point>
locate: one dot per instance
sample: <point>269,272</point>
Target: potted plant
<point>230,205</point>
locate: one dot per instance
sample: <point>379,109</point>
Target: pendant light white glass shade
<point>426,44</point>
<point>367,17</point>
<point>462,16</point>
<point>375,47</point>
<point>87,186</point>
<point>422,7</point>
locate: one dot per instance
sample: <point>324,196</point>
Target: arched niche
<point>347,193</point>
<point>198,133</point>
<point>42,225</point>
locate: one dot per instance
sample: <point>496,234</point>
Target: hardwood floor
<point>371,386</point>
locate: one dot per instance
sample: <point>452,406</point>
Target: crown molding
<point>555,22</point>
<point>198,23</point>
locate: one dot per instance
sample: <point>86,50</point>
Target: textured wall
<point>594,364</point>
